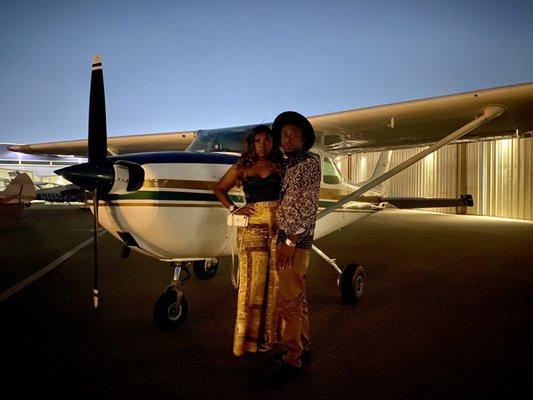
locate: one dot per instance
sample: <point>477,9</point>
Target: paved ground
<point>447,313</point>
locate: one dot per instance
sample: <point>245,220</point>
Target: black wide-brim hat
<point>293,118</point>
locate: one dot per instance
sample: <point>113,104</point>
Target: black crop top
<point>258,189</point>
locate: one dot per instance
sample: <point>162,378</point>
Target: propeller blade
<point>95,247</point>
<point>97,150</point>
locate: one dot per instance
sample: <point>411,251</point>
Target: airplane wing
<point>421,122</point>
<point>399,125</point>
<point>115,145</point>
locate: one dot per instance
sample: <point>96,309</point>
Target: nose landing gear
<point>171,308</point>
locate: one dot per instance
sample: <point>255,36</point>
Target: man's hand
<point>284,256</point>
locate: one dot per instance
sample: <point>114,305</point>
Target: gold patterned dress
<point>258,279</point>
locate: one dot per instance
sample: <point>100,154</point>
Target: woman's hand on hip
<point>247,210</point>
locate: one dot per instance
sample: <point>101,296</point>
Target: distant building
<point>40,168</point>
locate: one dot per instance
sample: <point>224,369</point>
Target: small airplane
<point>160,202</point>
<point>56,193</point>
<point>17,195</point>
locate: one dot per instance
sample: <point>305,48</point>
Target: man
<point>300,189</point>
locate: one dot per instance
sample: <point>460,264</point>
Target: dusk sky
<point>185,65</point>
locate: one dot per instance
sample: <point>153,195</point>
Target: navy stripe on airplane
<point>181,196</point>
<point>177,157</point>
<point>162,195</point>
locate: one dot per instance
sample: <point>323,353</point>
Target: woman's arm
<point>224,185</point>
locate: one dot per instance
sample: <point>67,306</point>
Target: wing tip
<point>17,148</point>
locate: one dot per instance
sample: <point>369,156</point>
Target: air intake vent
<point>128,239</point>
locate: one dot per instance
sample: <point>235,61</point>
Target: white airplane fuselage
<point>176,216</point>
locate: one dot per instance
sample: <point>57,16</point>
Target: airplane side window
<point>219,140</point>
<point>202,143</point>
<point>331,175</point>
<point>230,142</point>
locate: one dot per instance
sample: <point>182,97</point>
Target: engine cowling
<point>128,177</point>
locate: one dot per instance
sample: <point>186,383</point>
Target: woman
<point>258,171</point>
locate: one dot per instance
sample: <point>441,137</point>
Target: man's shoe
<point>306,357</point>
<point>283,376</point>
<point>278,356</point>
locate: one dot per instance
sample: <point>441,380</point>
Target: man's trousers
<point>292,307</point>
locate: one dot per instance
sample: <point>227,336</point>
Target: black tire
<point>168,315</point>
<point>351,283</point>
<point>205,269</point>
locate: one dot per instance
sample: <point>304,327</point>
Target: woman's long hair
<point>249,156</point>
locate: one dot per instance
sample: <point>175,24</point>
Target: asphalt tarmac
<point>447,314</point>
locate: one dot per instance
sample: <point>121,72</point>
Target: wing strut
<point>489,113</point>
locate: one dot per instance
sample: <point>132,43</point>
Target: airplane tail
<point>382,166</point>
<point>19,190</point>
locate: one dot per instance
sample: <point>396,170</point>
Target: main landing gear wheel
<point>205,269</point>
<point>351,283</point>
<point>168,312</point>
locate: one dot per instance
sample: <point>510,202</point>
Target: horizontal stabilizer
<point>421,202</point>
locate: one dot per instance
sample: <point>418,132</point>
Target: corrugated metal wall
<point>498,174</point>
<point>500,177</point>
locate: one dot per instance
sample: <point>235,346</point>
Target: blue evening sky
<point>186,65</point>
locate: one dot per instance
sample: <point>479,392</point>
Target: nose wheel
<point>171,309</point>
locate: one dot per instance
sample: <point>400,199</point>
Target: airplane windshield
<point>227,139</point>
<point>331,174</point>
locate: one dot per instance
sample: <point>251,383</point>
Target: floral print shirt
<point>300,189</point>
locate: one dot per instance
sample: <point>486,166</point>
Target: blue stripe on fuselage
<point>162,195</point>
<point>177,157</point>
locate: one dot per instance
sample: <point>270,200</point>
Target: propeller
<point>96,150</point>
<point>101,175</point>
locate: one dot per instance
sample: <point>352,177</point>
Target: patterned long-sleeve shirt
<point>300,189</point>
